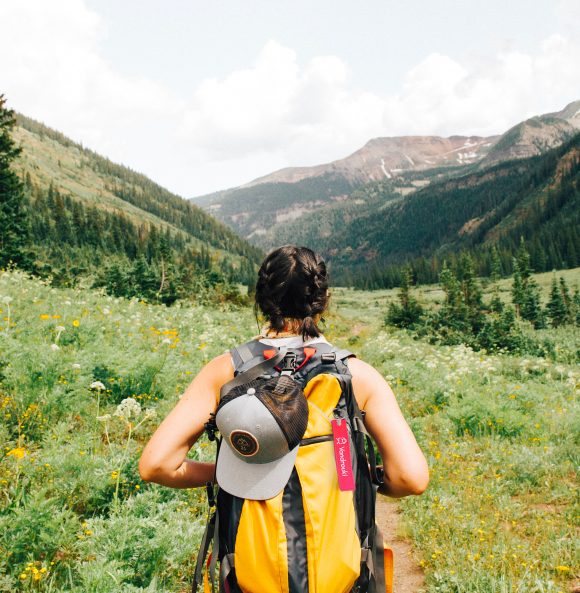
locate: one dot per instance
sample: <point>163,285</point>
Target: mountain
<point>85,210</point>
<point>318,197</point>
<point>536,135</point>
<point>537,198</point>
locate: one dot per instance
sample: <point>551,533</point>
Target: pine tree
<point>568,304</point>
<point>525,290</point>
<point>14,223</point>
<point>409,311</point>
<point>496,304</point>
<point>471,293</point>
<point>556,308</point>
<point>495,265</point>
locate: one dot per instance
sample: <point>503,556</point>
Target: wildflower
<point>97,385</point>
<point>127,408</point>
<point>59,328</point>
<point>76,365</point>
<point>7,299</point>
<point>150,413</point>
<point>106,311</point>
<point>166,341</point>
<point>104,418</point>
<point>18,452</point>
<point>76,322</point>
<point>44,316</point>
<point>54,347</point>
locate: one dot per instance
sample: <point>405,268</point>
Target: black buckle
<point>211,427</point>
<point>290,362</point>
<point>329,357</point>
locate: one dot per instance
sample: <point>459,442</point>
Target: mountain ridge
<point>259,209</point>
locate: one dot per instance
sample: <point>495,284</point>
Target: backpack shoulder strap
<point>245,353</point>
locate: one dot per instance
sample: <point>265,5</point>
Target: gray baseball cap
<point>262,424</point>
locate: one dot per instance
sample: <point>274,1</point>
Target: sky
<point>203,96</point>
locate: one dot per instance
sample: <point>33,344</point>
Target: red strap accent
<point>309,352</point>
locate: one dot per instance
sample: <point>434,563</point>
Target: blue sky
<point>202,96</point>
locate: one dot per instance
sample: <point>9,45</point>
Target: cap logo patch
<point>245,443</point>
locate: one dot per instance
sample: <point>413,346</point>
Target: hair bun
<point>292,283</point>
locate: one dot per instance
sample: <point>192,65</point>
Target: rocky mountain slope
<point>319,199</point>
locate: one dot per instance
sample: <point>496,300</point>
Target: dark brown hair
<point>292,282</point>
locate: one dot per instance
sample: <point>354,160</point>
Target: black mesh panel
<point>287,403</point>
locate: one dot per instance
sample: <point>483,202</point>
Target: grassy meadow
<point>500,434</point>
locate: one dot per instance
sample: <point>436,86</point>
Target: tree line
<point>53,235</point>
<point>464,316</point>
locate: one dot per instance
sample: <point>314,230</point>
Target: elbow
<point>419,486</point>
<point>411,482</point>
<point>418,482</point>
<point>147,471</point>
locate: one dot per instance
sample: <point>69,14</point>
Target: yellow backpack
<point>313,536</point>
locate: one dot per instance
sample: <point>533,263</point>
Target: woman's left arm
<point>163,459</point>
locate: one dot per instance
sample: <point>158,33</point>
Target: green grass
<point>499,432</point>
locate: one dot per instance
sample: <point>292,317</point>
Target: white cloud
<point>277,105</point>
<point>443,96</point>
<point>51,69</point>
<point>275,112</point>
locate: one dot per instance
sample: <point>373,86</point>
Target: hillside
<point>536,198</point>
<point>317,197</point>
<point>84,207</point>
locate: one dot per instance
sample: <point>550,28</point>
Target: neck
<point>290,329</point>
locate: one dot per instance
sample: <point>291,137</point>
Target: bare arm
<point>163,458</point>
<point>405,466</point>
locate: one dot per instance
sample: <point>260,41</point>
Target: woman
<point>292,293</point>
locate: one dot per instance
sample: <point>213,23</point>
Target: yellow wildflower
<point>18,452</point>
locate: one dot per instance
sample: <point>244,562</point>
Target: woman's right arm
<point>163,459</point>
<point>405,466</point>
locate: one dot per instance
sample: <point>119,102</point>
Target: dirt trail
<point>408,576</point>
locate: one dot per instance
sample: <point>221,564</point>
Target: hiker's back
<point>317,533</point>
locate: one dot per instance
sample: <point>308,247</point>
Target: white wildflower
<point>127,408</point>
<point>54,347</point>
<point>150,413</point>
<point>76,365</point>
<point>106,311</point>
<point>60,328</point>
<point>166,341</point>
<point>7,299</point>
<point>104,418</point>
<point>97,385</point>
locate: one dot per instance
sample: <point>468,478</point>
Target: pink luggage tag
<point>342,454</point>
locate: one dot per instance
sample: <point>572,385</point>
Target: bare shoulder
<point>367,382</point>
<point>221,365</point>
<point>211,377</point>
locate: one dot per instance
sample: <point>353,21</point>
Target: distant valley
<point>330,206</point>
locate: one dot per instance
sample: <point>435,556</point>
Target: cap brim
<point>256,481</point>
